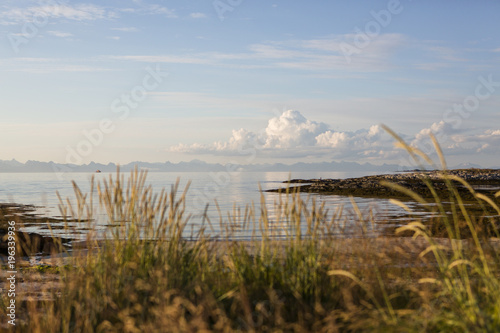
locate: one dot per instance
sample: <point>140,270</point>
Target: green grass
<point>145,277</point>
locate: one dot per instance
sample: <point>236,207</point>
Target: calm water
<point>238,189</point>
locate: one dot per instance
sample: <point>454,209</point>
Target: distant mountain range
<point>201,166</point>
<point>192,166</point>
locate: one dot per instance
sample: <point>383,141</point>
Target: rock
<point>28,244</point>
<point>371,185</point>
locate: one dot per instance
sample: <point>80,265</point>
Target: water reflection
<point>218,203</point>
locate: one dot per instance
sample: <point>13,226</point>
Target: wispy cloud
<point>149,9</point>
<point>60,34</point>
<point>446,53</point>
<point>326,54</point>
<point>10,15</point>
<point>78,12</point>
<point>432,66</point>
<point>48,65</point>
<point>162,59</point>
<point>438,57</point>
<point>307,55</point>
<point>157,9</point>
<point>126,29</point>
<point>198,15</point>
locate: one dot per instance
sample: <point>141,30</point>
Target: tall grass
<point>294,274</point>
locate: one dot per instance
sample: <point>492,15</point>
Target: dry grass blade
<point>404,190</point>
<point>489,201</point>
<point>413,151</point>
<point>439,151</point>
<point>399,203</point>
<point>460,262</point>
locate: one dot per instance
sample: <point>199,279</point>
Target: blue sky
<point>248,81</point>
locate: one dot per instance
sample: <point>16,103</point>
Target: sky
<point>239,81</point>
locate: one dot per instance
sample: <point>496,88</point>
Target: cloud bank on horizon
<point>291,135</point>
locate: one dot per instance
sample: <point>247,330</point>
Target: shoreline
<point>484,180</point>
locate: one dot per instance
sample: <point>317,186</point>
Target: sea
<point>212,199</point>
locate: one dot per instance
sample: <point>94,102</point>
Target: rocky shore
<point>486,180</point>
<point>28,243</point>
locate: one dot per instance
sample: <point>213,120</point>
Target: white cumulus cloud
<point>457,141</point>
<point>292,129</point>
<point>291,135</point>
